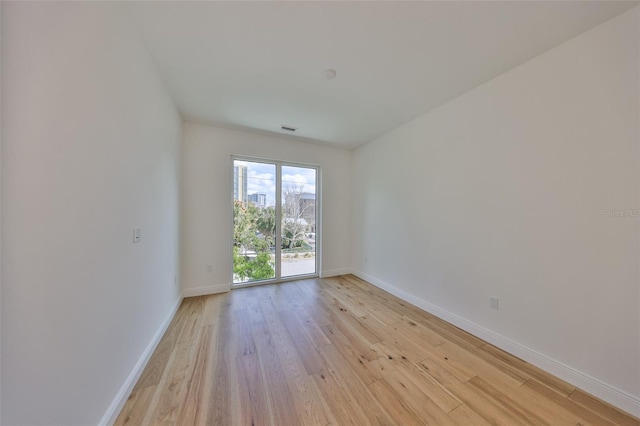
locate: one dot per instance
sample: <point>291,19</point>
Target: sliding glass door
<point>254,221</point>
<point>275,221</point>
<point>298,229</point>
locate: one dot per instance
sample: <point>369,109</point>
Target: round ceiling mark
<point>329,74</point>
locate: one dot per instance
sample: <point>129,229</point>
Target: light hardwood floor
<point>340,351</point>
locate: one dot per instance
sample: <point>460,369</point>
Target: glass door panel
<point>254,221</point>
<point>298,224</point>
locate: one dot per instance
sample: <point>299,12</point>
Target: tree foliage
<point>258,268</point>
<point>253,231</point>
<point>266,224</point>
<point>294,223</point>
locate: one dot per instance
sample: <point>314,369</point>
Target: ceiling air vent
<point>288,128</point>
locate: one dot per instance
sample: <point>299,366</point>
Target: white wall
<point>91,149</point>
<point>503,192</point>
<point>207,214</point>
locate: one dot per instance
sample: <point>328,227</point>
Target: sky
<point>262,179</point>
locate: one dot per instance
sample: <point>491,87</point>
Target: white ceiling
<point>259,65</point>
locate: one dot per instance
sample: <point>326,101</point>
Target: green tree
<point>258,268</point>
<point>241,226</point>
<point>266,223</point>
<point>246,221</point>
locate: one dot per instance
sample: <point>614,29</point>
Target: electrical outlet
<point>493,303</point>
<point>136,235</point>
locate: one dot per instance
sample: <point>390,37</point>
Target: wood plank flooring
<point>339,351</point>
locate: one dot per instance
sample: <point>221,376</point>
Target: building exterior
<point>308,208</point>
<point>240,184</point>
<point>258,200</point>
<point>301,205</point>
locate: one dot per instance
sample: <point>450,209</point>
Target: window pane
<point>254,221</point>
<point>298,221</point>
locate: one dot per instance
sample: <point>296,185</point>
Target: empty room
<point>320,213</point>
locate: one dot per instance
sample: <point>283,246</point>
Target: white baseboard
<point>118,402</point>
<point>335,272</point>
<point>602,390</point>
<point>210,289</point>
